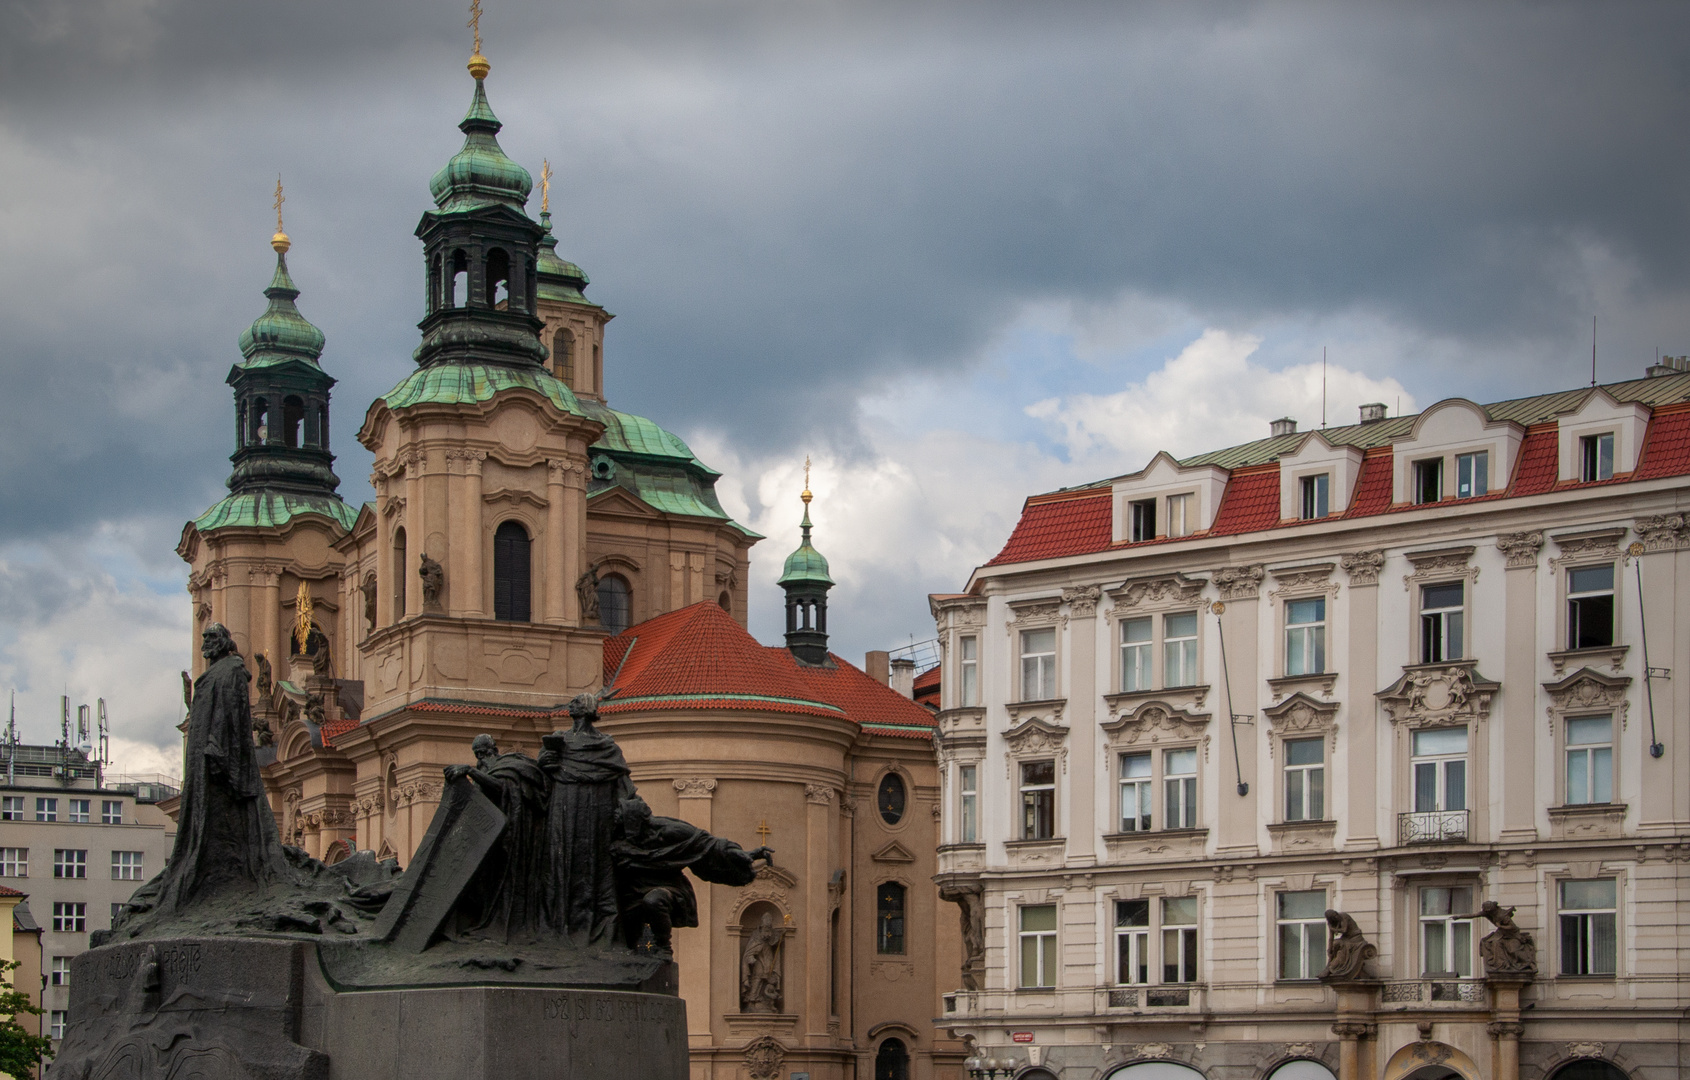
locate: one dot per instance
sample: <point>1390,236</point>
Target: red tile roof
<point>1666,452</point>
<point>1251,501</point>
<point>1066,523</point>
<point>927,688</point>
<point>1373,486</point>
<point>7,890</point>
<point>1539,465</point>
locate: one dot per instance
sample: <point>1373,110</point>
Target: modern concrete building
<point>1393,669</point>
<point>77,846</point>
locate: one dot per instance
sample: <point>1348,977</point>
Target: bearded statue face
<point>216,642</point>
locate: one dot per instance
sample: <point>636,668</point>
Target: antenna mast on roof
<point>1593,350</point>
<point>12,742</point>
<point>1323,388</point>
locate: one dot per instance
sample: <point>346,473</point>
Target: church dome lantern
<point>805,580</point>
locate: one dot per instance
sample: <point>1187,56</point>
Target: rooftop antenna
<point>64,720</point>
<point>1323,388</point>
<point>12,742</point>
<point>104,730</point>
<point>1593,350</point>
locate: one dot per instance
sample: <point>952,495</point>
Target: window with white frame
<point>1179,649</point>
<point>1589,934</point>
<point>1429,480</point>
<point>111,812</point>
<point>70,863</point>
<point>1038,945</point>
<point>70,918</point>
<point>1590,607</point>
<point>57,1022</point>
<point>1596,457</point>
<point>1038,799</point>
<point>1315,495</point>
<point>1038,664</point>
<point>1182,515</point>
<point>1305,636</point>
<point>46,809</point>
<point>1141,520</point>
<point>79,809</point>
<point>1441,609</point>
<point>126,866</point>
<point>1301,921</point>
<point>1132,942</point>
<point>1440,769</point>
<point>1590,760</point>
<point>11,808</point>
<point>1135,654</point>
<point>1135,792</point>
<point>1446,931</point>
<point>14,862</point>
<point>1472,475</point>
<point>1179,939</point>
<point>1179,785</point>
<point>968,680</point>
<point>61,971</point>
<point>968,799</point>
<point>1305,779</point>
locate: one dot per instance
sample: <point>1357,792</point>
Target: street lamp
<point>990,1068</point>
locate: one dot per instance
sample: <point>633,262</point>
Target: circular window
<point>891,799</point>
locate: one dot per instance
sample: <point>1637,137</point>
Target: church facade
<point>526,543</point>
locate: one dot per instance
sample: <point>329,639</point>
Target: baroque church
<point>527,543</point>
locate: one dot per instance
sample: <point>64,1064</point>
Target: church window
<point>891,798</point>
<point>510,573</point>
<point>563,356</point>
<point>892,1061</point>
<point>293,420</point>
<point>615,602</point>
<point>459,296</point>
<point>399,574</point>
<point>498,279</point>
<point>889,907</point>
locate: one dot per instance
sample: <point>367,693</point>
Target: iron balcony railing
<point>1432,827</point>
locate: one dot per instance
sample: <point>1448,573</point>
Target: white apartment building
<point>78,846</point>
<point>1392,670</point>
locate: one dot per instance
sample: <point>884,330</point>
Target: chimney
<point>903,676</point>
<point>1373,412</point>
<point>1283,426</point>
<point>875,664</point>
<point>1668,365</point>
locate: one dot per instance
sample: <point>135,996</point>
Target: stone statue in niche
<point>1507,950</point>
<point>433,582</point>
<point>1347,951</point>
<point>368,588</point>
<point>649,855</point>
<point>587,592</point>
<point>759,968</point>
<point>265,678</point>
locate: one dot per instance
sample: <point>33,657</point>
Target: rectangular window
<point>11,808</point>
<point>1446,932</point>
<point>56,1025</point>
<point>1135,792</point>
<point>1590,760</point>
<point>1179,939</point>
<point>1314,496</point>
<point>1588,931</point>
<point>1179,649</point>
<point>1590,607</point>
<point>968,779</point>
<point>1472,475</point>
<point>1135,655</point>
<point>1440,769</point>
<point>14,862</point>
<point>79,811</point>
<point>1038,664</point>
<point>111,812</point>
<point>126,866</point>
<point>969,683</point>
<point>1182,515</point>
<point>61,971</point>
<point>889,907</point>
<point>1596,457</point>
<point>1132,942</point>
<point>1305,780</point>
<point>1038,945</point>
<point>1429,480</point>
<point>1301,918</point>
<point>1141,520</point>
<point>1440,622</point>
<point>1179,785</point>
<point>70,863</point>
<point>69,918</point>
<point>1038,800</point>
<point>46,809</point>
<point>1305,636</point>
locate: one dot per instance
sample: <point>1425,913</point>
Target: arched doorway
<point>892,1062</point>
<point>1430,1060</point>
<point>1589,1070</point>
<point>1155,1070</point>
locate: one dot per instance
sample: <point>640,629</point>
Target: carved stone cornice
<point>265,574</point>
<point>1081,600</point>
<point>1155,722</point>
<point>1588,691</point>
<point>1301,714</point>
<point>1441,564</point>
<point>1439,695</point>
<point>1050,709</point>
<point>1322,681</point>
<point>1587,545</point>
<point>1663,532</point>
<point>1160,590</point>
<point>819,794</point>
<point>958,612</point>
<point>1033,613</point>
<point>1239,582</point>
<point>1362,566</point>
<point>1305,580</point>
<point>560,469</point>
<point>1035,736</point>
<point>1520,548</point>
<point>1179,698</point>
<point>694,787</point>
<point>1611,655</point>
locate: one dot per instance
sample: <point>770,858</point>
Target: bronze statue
<point>649,856</point>
<point>433,581</point>
<point>1347,951</point>
<point>1507,950</point>
<point>506,899</point>
<point>759,968</point>
<point>589,783</point>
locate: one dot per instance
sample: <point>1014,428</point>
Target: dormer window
<point>1596,457</point>
<point>1182,515</point>
<point>1429,480</point>
<point>1315,495</point>
<point>1472,474</point>
<point>1141,520</point>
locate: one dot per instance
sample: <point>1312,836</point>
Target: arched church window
<point>460,280</point>
<point>293,420</point>
<point>260,422</point>
<point>400,573</point>
<point>615,603</point>
<point>563,356</point>
<point>510,572</point>
<point>498,279</point>
<point>892,1061</point>
<point>891,798</point>
<point>889,919</point>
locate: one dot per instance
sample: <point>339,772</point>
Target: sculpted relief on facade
<point>1438,695</point>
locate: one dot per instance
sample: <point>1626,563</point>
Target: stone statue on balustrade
<point>1347,950</point>
<point>1507,950</point>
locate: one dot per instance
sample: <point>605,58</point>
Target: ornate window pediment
<point>1588,690</point>
<point>1440,564</point>
<point>894,853</point>
<point>1160,590</point>
<point>1439,695</point>
<point>958,612</point>
<point>1586,545</point>
<point>1035,736</point>
<point>1043,612</point>
<point>1156,721</point>
<point>1301,714</point>
<point>1305,580</point>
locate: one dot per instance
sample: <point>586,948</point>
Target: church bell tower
<point>806,581</point>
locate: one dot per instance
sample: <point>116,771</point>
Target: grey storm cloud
<point>789,204</point>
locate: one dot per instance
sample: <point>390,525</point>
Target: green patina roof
<point>480,174</point>
<point>281,334</point>
<point>805,564</point>
<point>558,279</point>
<point>457,384</point>
<point>262,509</point>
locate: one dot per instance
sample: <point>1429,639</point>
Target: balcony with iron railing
<point>1432,827</point>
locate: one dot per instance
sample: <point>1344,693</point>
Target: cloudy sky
<point>955,252</point>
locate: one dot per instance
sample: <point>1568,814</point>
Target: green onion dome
<point>281,333</point>
<point>480,174</point>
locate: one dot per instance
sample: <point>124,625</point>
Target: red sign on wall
<point>1021,1036</point>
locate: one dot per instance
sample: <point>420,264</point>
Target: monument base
<point>265,1009</point>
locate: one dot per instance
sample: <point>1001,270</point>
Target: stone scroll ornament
<point>1507,950</point>
<point>1347,951</point>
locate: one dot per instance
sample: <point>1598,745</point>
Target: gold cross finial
<point>763,830</point>
<point>478,65</point>
<point>280,241</point>
<point>806,496</point>
<point>545,186</point>
<point>302,625</point>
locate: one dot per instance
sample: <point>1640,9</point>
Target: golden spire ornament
<point>806,496</point>
<point>302,621</point>
<point>280,241</point>
<point>478,65</point>
<point>545,185</point>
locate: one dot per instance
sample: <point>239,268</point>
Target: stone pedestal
<point>265,1009</point>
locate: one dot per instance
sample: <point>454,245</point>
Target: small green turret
<point>806,581</point>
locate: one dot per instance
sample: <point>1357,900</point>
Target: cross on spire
<point>280,199</point>
<point>545,186</point>
<point>475,23</point>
